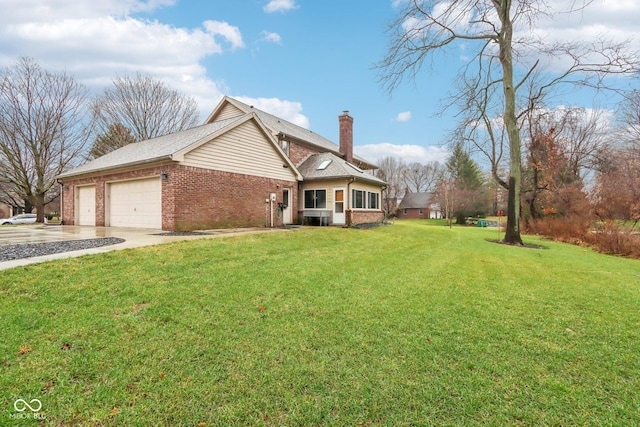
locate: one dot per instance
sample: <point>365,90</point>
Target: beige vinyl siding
<point>328,184</point>
<point>359,185</point>
<point>243,150</point>
<point>229,111</point>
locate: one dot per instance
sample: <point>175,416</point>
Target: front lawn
<point>410,324</point>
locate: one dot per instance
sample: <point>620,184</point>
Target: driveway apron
<point>133,238</point>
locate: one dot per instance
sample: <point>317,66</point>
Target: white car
<point>19,219</point>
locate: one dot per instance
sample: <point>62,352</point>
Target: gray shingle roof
<point>160,148</point>
<point>295,131</point>
<point>416,200</point>
<point>164,147</point>
<point>337,168</point>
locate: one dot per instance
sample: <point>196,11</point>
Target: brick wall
<point>413,213</point>
<point>222,200</point>
<point>298,153</point>
<point>365,217</point>
<point>195,198</point>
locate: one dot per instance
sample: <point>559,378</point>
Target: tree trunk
<point>39,205</point>
<point>28,206</point>
<point>512,233</point>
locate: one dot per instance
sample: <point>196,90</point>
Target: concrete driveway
<point>133,238</point>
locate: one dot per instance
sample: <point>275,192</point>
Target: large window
<point>358,199</point>
<point>374,200</point>
<point>361,199</point>
<point>315,199</point>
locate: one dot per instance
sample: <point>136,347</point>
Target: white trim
<point>340,218</point>
<point>77,204</point>
<point>315,189</point>
<point>287,213</point>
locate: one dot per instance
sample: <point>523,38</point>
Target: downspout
<point>351,180</point>
<point>61,202</point>
<point>385,212</point>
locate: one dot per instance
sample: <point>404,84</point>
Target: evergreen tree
<point>117,136</point>
<point>469,197</point>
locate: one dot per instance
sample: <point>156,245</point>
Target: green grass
<point>410,324</point>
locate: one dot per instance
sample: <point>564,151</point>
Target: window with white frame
<point>358,199</point>
<point>315,199</point>
<point>361,199</point>
<point>374,200</point>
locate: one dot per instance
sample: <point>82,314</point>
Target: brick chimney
<point>346,136</point>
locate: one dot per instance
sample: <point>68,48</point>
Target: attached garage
<point>136,203</point>
<point>86,205</point>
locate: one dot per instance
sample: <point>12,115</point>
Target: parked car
<point>19,219</point>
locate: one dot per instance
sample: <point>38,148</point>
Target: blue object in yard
<point>482,223</point>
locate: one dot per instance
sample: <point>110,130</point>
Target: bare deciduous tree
<point>630,121</point>
<point>44,129</point>
<point>390,171</point>
<point>502,68</point>
<point>420,177</point>
<point>617,186</point>
<point>400,177</point>
<point>146,106</point>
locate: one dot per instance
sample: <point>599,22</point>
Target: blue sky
<point>303,60</point>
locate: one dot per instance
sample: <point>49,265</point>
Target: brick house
<point>243,167</point>
<point>418,205</point>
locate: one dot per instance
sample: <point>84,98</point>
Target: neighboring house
<point>5,211</point>
<point>418,205</point>
<point>243,167</point>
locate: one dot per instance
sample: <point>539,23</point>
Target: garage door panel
<point>136,203</point>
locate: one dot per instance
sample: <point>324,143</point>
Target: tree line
<point>577,163</point>
<point>508,78</point>
<point>49,123</point>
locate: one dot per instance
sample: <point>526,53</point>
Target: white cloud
<point>288,110</point>
<point>280,6</point>
<point>271,37</point>
<point>408,153</point>
<point>14,11</point>
<point>614,20</point>
<point>95,41</point>
<point>228,32</point>
<point>403,117</point>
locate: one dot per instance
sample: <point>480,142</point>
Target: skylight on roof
<point>324,165</point>
<point>355,167</point>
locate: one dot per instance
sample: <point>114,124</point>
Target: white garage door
<point>86,205</point>
<point>136,203</point>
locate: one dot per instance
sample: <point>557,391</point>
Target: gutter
<point>351,177</point>
<point>112,168</point>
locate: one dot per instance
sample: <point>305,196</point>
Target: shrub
<point>610,238</point>
<point>606,237</point>
<point>563,229</point>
